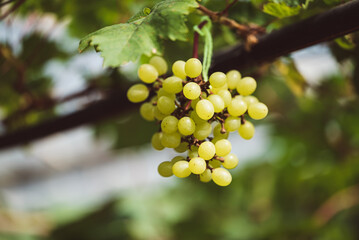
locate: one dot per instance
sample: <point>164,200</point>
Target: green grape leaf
<point>126,42</point>
<point>281,10</point>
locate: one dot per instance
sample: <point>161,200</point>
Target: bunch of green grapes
<point>196,116</point>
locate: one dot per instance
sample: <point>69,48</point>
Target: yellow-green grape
<point>217,79</point>
<point>163,92</point>
<point>233,77</point>
<point>221,177</point>
<point>166,105</point>
<point>147,111</point>
<point>158,115</point>
<point>232,124</point>
<point>156,141</point>
<point>230,161</point>
<point>204,109</point>
<point>203,130</point>
<point>137,93</point>
<point>197,165</point>
<point>217,102</point>
<point>226,96</point>
<point>177,159</point>
<point>196,118</point>
<point>223,147</point>
<point>178,69</point>
<point>217,132</point>
<point>237,107</point>
<point>215,163</point>
<point>182,147</point>
<point>195,101</point>
<point>206,176</point>
<point>216,90</point>
<point>172,84</point>
<point>250,99</point>
<point>147,73</point>
<point>206,150</point>
<point>165,169</point>
<point>191,90</point>
<point>186,126</point>
<point>246,130</point>
<point>193,152</point>
<point>169,124</point>
<point>171,140</point>
<point>181,169</point>
<point>246,86</point>
<point>239,97</point>
<point>193,67</point>
<point>160,64</point>
<point>257,110</point>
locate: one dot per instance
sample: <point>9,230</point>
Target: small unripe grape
<point>177,159</point>
<point>193,152</point>
<point>172,84</point>
<point>215,163</point>
<point>203,130</point>
<point>166,105</point>
<point>217,79</point>
<point>206,150</point>
<point>160,64</point>
<point>223,147</point>
<point>181,169</point>
<point>158,115</point>
<point>193,67</point>
<point>197,165</point>
<point>171,140</point>
<point>182,147</point>
<point>165,169</point>
<point>147,111</point>
<point>186,126</point>
<point>226,96</point>
<point>206,176</point>
<point>196,118</point>
<point>178,69</point>
<point>233,77</point>
<point>169,124</point>
<point>221,177</point>
<point>230,161</point>
<point>217,102</point>
<point>246,86</point>
<point>258,111</point>
<point>147,73</point>
<point>137,93</point>
<point>246,130</point>
<point>156,141</point>
<point>237,107</point>
<point>250,99</point>
<point>163,92</point>
<point>232,124</point>
<point>204,109</point>
<point>217,132</point>
<point>191,90</point>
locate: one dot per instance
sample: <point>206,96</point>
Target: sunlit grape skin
<point>191,90</point>
<point>246,86</point>
<point>147,73</point>
<point>169,124</point>
<point>137,93</point>
<point>204,109</point>
<point>186,126</point>
<point>217,79</point>
<point>197,165</point>
<point>223,147</point>
<point>230,161</point>
<point>166,105</point>
<point>172,84</point>
<point>159,63</point>
<point>257,111</point>
<point>206,150</point>
<point>221,177</point>
<point>233,77</point>
<point>171,140</point>
<point>193,67</point>
<point>217,102</point>
<point>237,107</point>
<point>246,130</point>
<point>178,69</point>
<point>206,176</point>
<point>181,169</point>
<point>147,111</point>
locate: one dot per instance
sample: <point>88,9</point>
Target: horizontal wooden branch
<point>336,22</point>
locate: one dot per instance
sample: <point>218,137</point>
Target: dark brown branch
<point>12,9</point>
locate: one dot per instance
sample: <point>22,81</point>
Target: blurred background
<point>298,178</point>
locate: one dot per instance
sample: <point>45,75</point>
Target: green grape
<point>177,159</point>
<point>178,69</point>
<point>197,165</point>
<point>195,101</point>
<point>221,177</point>
<point>171,140</point>
<point>233,77</point>
<point>232,124</point>
<point>204,109</point>
<point>158,115</point>
<point>230,161</point>
<point>206,176</point>
<point>237,107</point>
<point>172,84</point>
<point>223,147</point>
<point>246,130</point>
<point>206,150</point>
<point>196,118</point>
<point>246,86</point>
<point>182,147</point>
<point>163,92</point>
<point>217,132</point>
<point>217,79</point>
<point>147,73</point>
<point>191,90</point>
<point>258,110</point>
<point>160,64</point>
<point>226,97</point>
<point>250,99</point>
<point>215,163</point>
<point>193,152</point>
<point>193,67</point>
<point>186,126</point>
<point>181,169</point>
<point>169,124</point>
<point>217,102</point>
<point>147,111</point>
<point>137,93</point>
<point>156,141</point>
<point>217,90</point>
<point>166,105</point>
<point>203,130</point>
<point>165,169</point>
